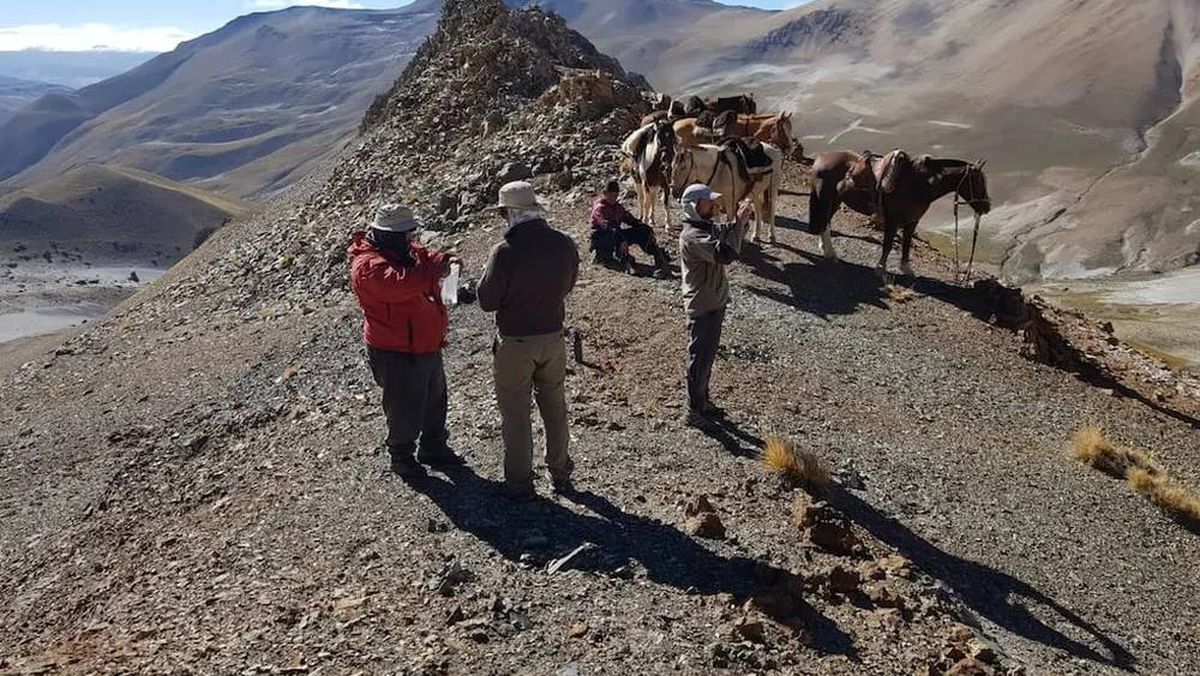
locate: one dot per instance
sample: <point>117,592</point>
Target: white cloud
<point>91,37</point>
<point>280,4</point>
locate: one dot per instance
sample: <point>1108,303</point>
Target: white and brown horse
<point>724,169</point>
<point>648,155</point>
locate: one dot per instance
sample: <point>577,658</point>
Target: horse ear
<point>980,164</point>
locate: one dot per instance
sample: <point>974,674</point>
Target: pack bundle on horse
<point>648,155</point>
<point>738,171</point>
<point>741,104</point>
<point>896,189</point>
<point>773,129</point>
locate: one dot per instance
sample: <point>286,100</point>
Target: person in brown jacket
<point>526,283</point>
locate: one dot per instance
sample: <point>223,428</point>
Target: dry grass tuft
<point>1091,446</point>
<point>782,458</point>
<point>1139,469</point>
<point>1164,492</point>
<point>899,294</point>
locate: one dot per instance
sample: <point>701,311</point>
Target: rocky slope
<point>198,480</point>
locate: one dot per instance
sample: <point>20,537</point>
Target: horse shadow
<point>1001,598</point>
<point>821,287</point>
<point>970,300</point>
<point>613,540</point>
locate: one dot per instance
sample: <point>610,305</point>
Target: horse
<point>725,169</point>
<point>773,129</point>
<point>648,154</point>
<point>901,193</point>
<point>743,104</point>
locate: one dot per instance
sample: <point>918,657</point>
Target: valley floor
<point>199,482</point>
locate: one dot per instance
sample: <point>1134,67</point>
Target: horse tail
<point>818,204</point>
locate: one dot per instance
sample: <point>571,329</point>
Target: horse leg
<point>910,230</point>
<point>640,190</point>
<point>822,204</point>
<point>889,237</point>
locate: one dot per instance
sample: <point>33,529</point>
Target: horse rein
<point>971,202</point>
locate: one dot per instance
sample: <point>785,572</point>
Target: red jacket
<point>402,306</point>
<point>607,214</point>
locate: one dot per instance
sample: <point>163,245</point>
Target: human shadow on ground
<point>821,287</point>
<point>733,438</point>
<point>615,540</point>
<point>992,594</point>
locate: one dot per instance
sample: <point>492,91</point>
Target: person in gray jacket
<point>705,249</point>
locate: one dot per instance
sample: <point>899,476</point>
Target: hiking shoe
<point>663,273</point>
<point>407,467</point>
<point>441,457</point>
<point>519,492</point>
<point>563,486</point>
<point>600,258</point>
<point>698,420</point>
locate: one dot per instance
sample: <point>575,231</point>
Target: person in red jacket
<point>398,284</point>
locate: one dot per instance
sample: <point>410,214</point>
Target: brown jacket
<point>528,278</point>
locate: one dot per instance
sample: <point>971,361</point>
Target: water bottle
<point>450,286</point>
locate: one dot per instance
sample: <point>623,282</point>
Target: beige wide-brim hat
<point>394,218</point>
<point>519,195</point>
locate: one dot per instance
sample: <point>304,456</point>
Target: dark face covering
<point>395,244</point>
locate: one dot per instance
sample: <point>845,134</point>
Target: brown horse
<point>773,129</point>
<point>909,187</point>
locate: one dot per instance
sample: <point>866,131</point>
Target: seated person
<point>614,229</point>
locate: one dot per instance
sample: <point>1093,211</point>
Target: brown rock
<point>699,505</point>
<point>777,602</point>
<point>706,525</point>
<point>896,566</point>
<point>750,629</point>
<point>970,667</point>
<point>883,595</point>
<point>843,580</point>
<point>578,630</point>
<point>826,528</point>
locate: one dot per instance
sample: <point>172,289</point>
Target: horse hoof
<point>881,272</point>
<point>907,270</point>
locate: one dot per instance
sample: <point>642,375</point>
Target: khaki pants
<point>534,365</point>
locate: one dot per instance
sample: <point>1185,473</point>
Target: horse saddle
<point>876,172</point>
<point>752,155</point>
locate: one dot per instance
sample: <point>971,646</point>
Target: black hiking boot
<point>439,456</point>
<point>406,467</point>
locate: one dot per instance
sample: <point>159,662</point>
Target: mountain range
<point>15,94</point>
<point>243,110</point>
<point>1085,111</point>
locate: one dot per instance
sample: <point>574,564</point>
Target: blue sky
<point>154,25</point>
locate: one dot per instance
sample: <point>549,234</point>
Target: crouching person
<point>526,283</point>
<point>398,282</point>
<point>614,230</point>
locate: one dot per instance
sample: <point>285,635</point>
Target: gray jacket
<point>705,249</point>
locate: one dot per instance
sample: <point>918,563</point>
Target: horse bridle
<point>971,202</point>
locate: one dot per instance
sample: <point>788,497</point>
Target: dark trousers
<point>607,241</point>
<point>414,400</point>
<point>704,337</point>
